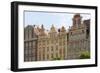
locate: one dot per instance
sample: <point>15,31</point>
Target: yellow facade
<point>52,45</point>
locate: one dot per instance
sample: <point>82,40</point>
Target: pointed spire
<point>42,27</point>
<point>34,25</point>
<point>53,28</point>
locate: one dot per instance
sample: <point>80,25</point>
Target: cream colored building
<point>52,45</point>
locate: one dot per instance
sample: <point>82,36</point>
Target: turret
<point>77,20</point>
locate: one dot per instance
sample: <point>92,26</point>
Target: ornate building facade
<point>42,45</point>
<point>52,45</point>
<point>78,37</point>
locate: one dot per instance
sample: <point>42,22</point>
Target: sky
<point>48,19</point>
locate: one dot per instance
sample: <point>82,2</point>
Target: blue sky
<point>49,18</point>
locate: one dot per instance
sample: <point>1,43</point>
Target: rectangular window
<point>52,55</point>
<point>47,56</point>
<point>47,49</point>
<point>51,48</point>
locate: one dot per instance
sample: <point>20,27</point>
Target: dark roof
<point>76,15</point>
